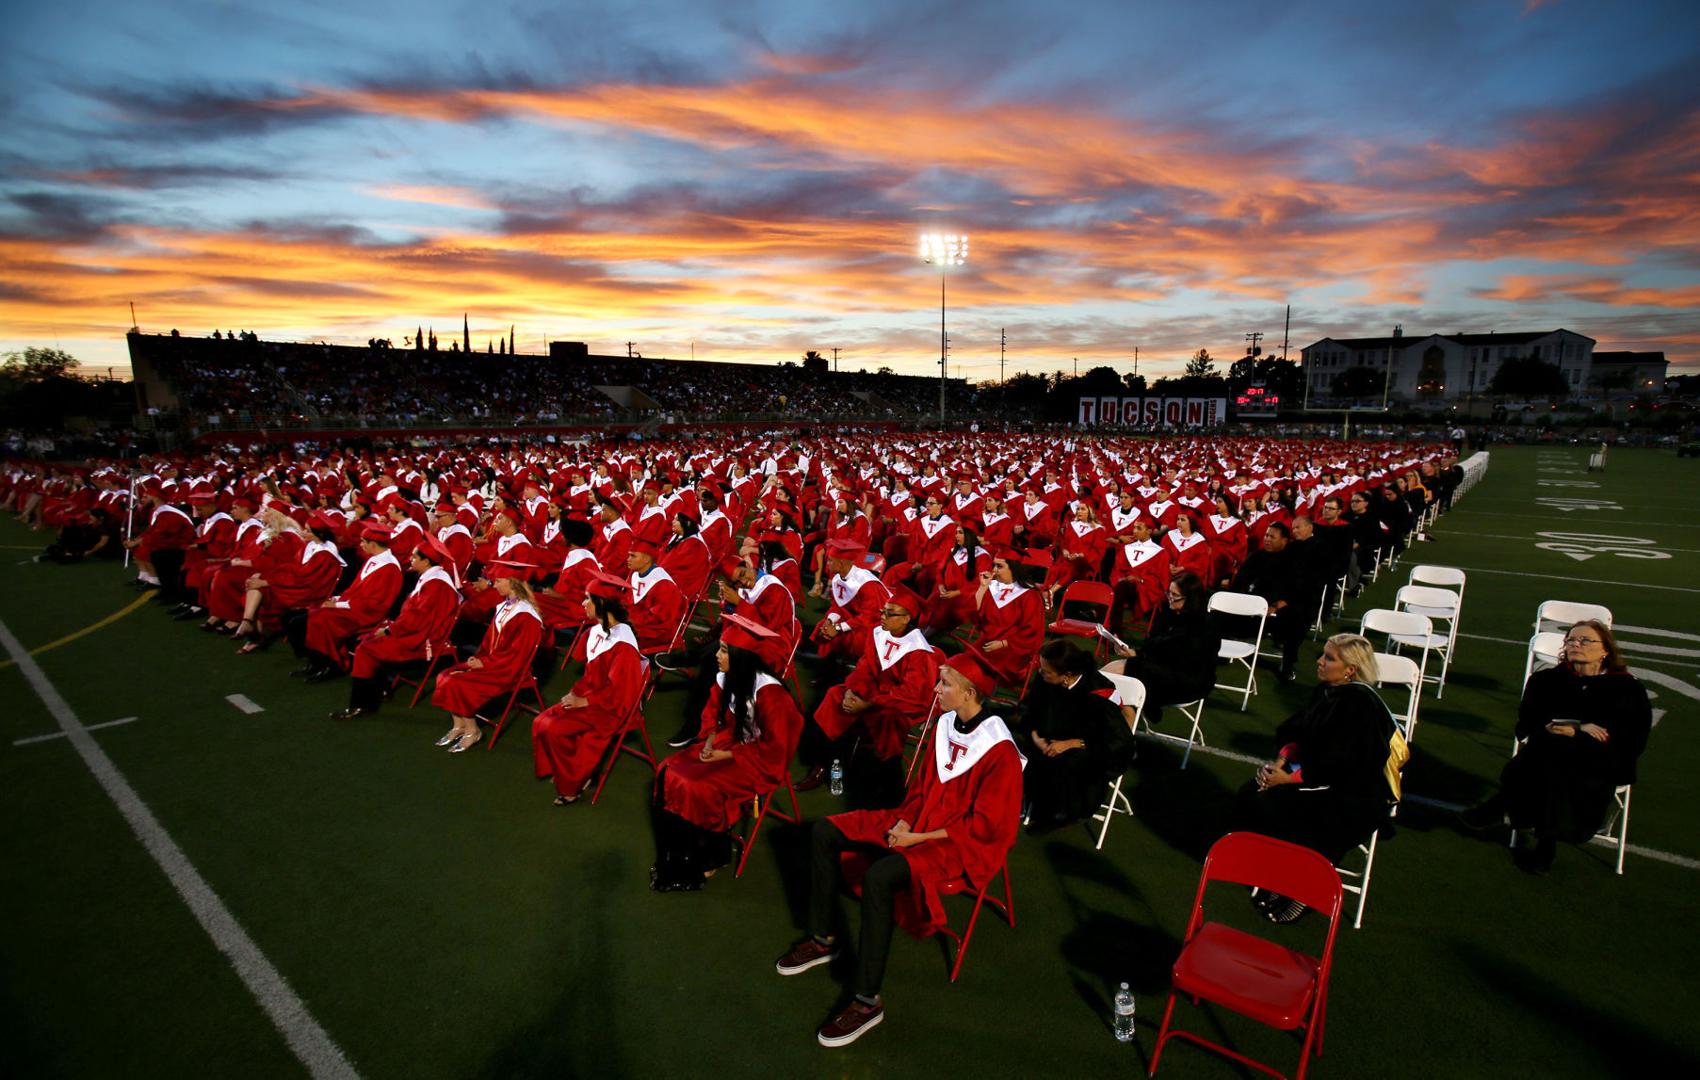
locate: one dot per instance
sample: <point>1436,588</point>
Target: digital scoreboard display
<point>1256,402</point>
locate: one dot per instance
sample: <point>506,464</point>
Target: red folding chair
<point>1254,976</point>
<point>622,745</point>
<point>1095,593</point>
<point>526,681</point>
<point>1004,907</point>
<point>855,865</point>
<point>442,655</point>
<point>920,740</point>
<point>759,807</point>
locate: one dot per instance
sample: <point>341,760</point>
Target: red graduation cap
<point>744,633</point>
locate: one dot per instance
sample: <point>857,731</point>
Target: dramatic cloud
<point>754,184</point>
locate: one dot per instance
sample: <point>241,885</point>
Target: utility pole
<point>629,346</point>
<point>835,359</point>
<point>1003,340</point>
<point>133,324</point>
<point>1255,348</point>
<point>1077,367</point>
<point>1136,361</point>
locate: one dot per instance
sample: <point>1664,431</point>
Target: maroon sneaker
<point>851,1024</point>
<point>804,955</point>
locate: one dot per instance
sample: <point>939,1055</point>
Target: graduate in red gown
<point>657,604</point>
<point>506,543</point>
<point>169,530</point>
<point>952,599</point>
<point>845,523</point>
<point>686,558</point>
<point>503,660</point>
<point>613,539</point>
<point>290,584</point>
<point>224,587</point>
<point>1189,550</point>
<point>748,734</point>
<point>215,541</point>
<point>562,603</point>
<point>997,527</point>
<point>888,693</point>
<point>1081,544</point>
<point>857,598</point>
<point>953,830</point>
<point>931,537</point>
<point>1140,575</point>
<point>568,739</point>
<point>420,631</point>
<point>1009,615</point>
<point>322,634</point>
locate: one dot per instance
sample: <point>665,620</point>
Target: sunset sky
<point>752,178</point>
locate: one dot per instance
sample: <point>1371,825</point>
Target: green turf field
<point>439,918</point>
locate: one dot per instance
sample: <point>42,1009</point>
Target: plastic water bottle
<point>1124,1014</point>
<point>837,783</point>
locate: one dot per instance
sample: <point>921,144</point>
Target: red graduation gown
<point>860,611</point>
<point>1199,557</point>
<point>505,654</point>
<point>900,695</point>
<point>712,794</point>
<point>223,587</point>
<point>563,606</point>
<point>687,563</point>
<point>980,809</point>
<point>306,581</point>
<point>424,622</point>
<point>566,743</point>
<point>368,598</point>
<point>1020,622</point>
<point>169,529</point>
<point>656,608</point>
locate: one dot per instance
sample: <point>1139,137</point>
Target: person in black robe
<point>1074,736</point>
<point>1327,788</point>
<point>1177,662</point>
<point>1271,573</point>
<point>1583,725</point>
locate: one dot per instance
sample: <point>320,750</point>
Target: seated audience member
<point>1327,788</point>
<point>417,632</point>
<point>1177,662</point>
<point>569,738</point>
<point>503,659</point>
<point>1269,572</point>
<point>1074,735</point>
<point>1583,724</point>
<point>748,735</point>
<point>956,824</point>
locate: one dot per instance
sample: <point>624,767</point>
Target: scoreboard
<point>1255,402</point>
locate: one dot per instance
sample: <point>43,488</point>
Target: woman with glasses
<point>1582,726</point>
<point>1177,662</point>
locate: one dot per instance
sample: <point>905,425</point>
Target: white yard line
<point>1472,535</point>
<point>63,734</point>
<point>1578,580</point>
<point>1559,518</point>
<point>288,1013</point>
<point>245,703</point>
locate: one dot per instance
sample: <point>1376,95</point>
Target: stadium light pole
<point>943,251</point>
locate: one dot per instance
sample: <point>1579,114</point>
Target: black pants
<point>684,850</point>
<point>367,693</point>
<point>295,629</point>
<point>168,567</point>
<point>1290,625</point>
<point>887,873</point>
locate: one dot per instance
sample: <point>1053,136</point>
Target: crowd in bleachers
<point>243,378</point>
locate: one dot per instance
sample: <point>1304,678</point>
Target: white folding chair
<point>1236,651</point>
<point>1132,694</point>
<point>1619,837</point>
<point>1438,605</point>
<point>1357,881</point>
<point>1402,671</point>
<point>1400,628</point>
<point>1561,615</point>
<point>1445,577</point>
<point>1546,649</point>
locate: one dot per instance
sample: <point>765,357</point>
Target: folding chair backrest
<point>1095,593</point>
<point>1396,670</point>
<point>1547,643</point>
<point>1384,621</point>
<point>1446,576</point>
<point>1425,597</point>
<point>1563,614</point>
<point>1130,690</point>
<point>1246,858</point>
<point>1233,603</point>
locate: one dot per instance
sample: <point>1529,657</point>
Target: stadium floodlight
<point>943,251</point>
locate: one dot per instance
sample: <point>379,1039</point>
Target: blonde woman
<point>1327,788</point>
